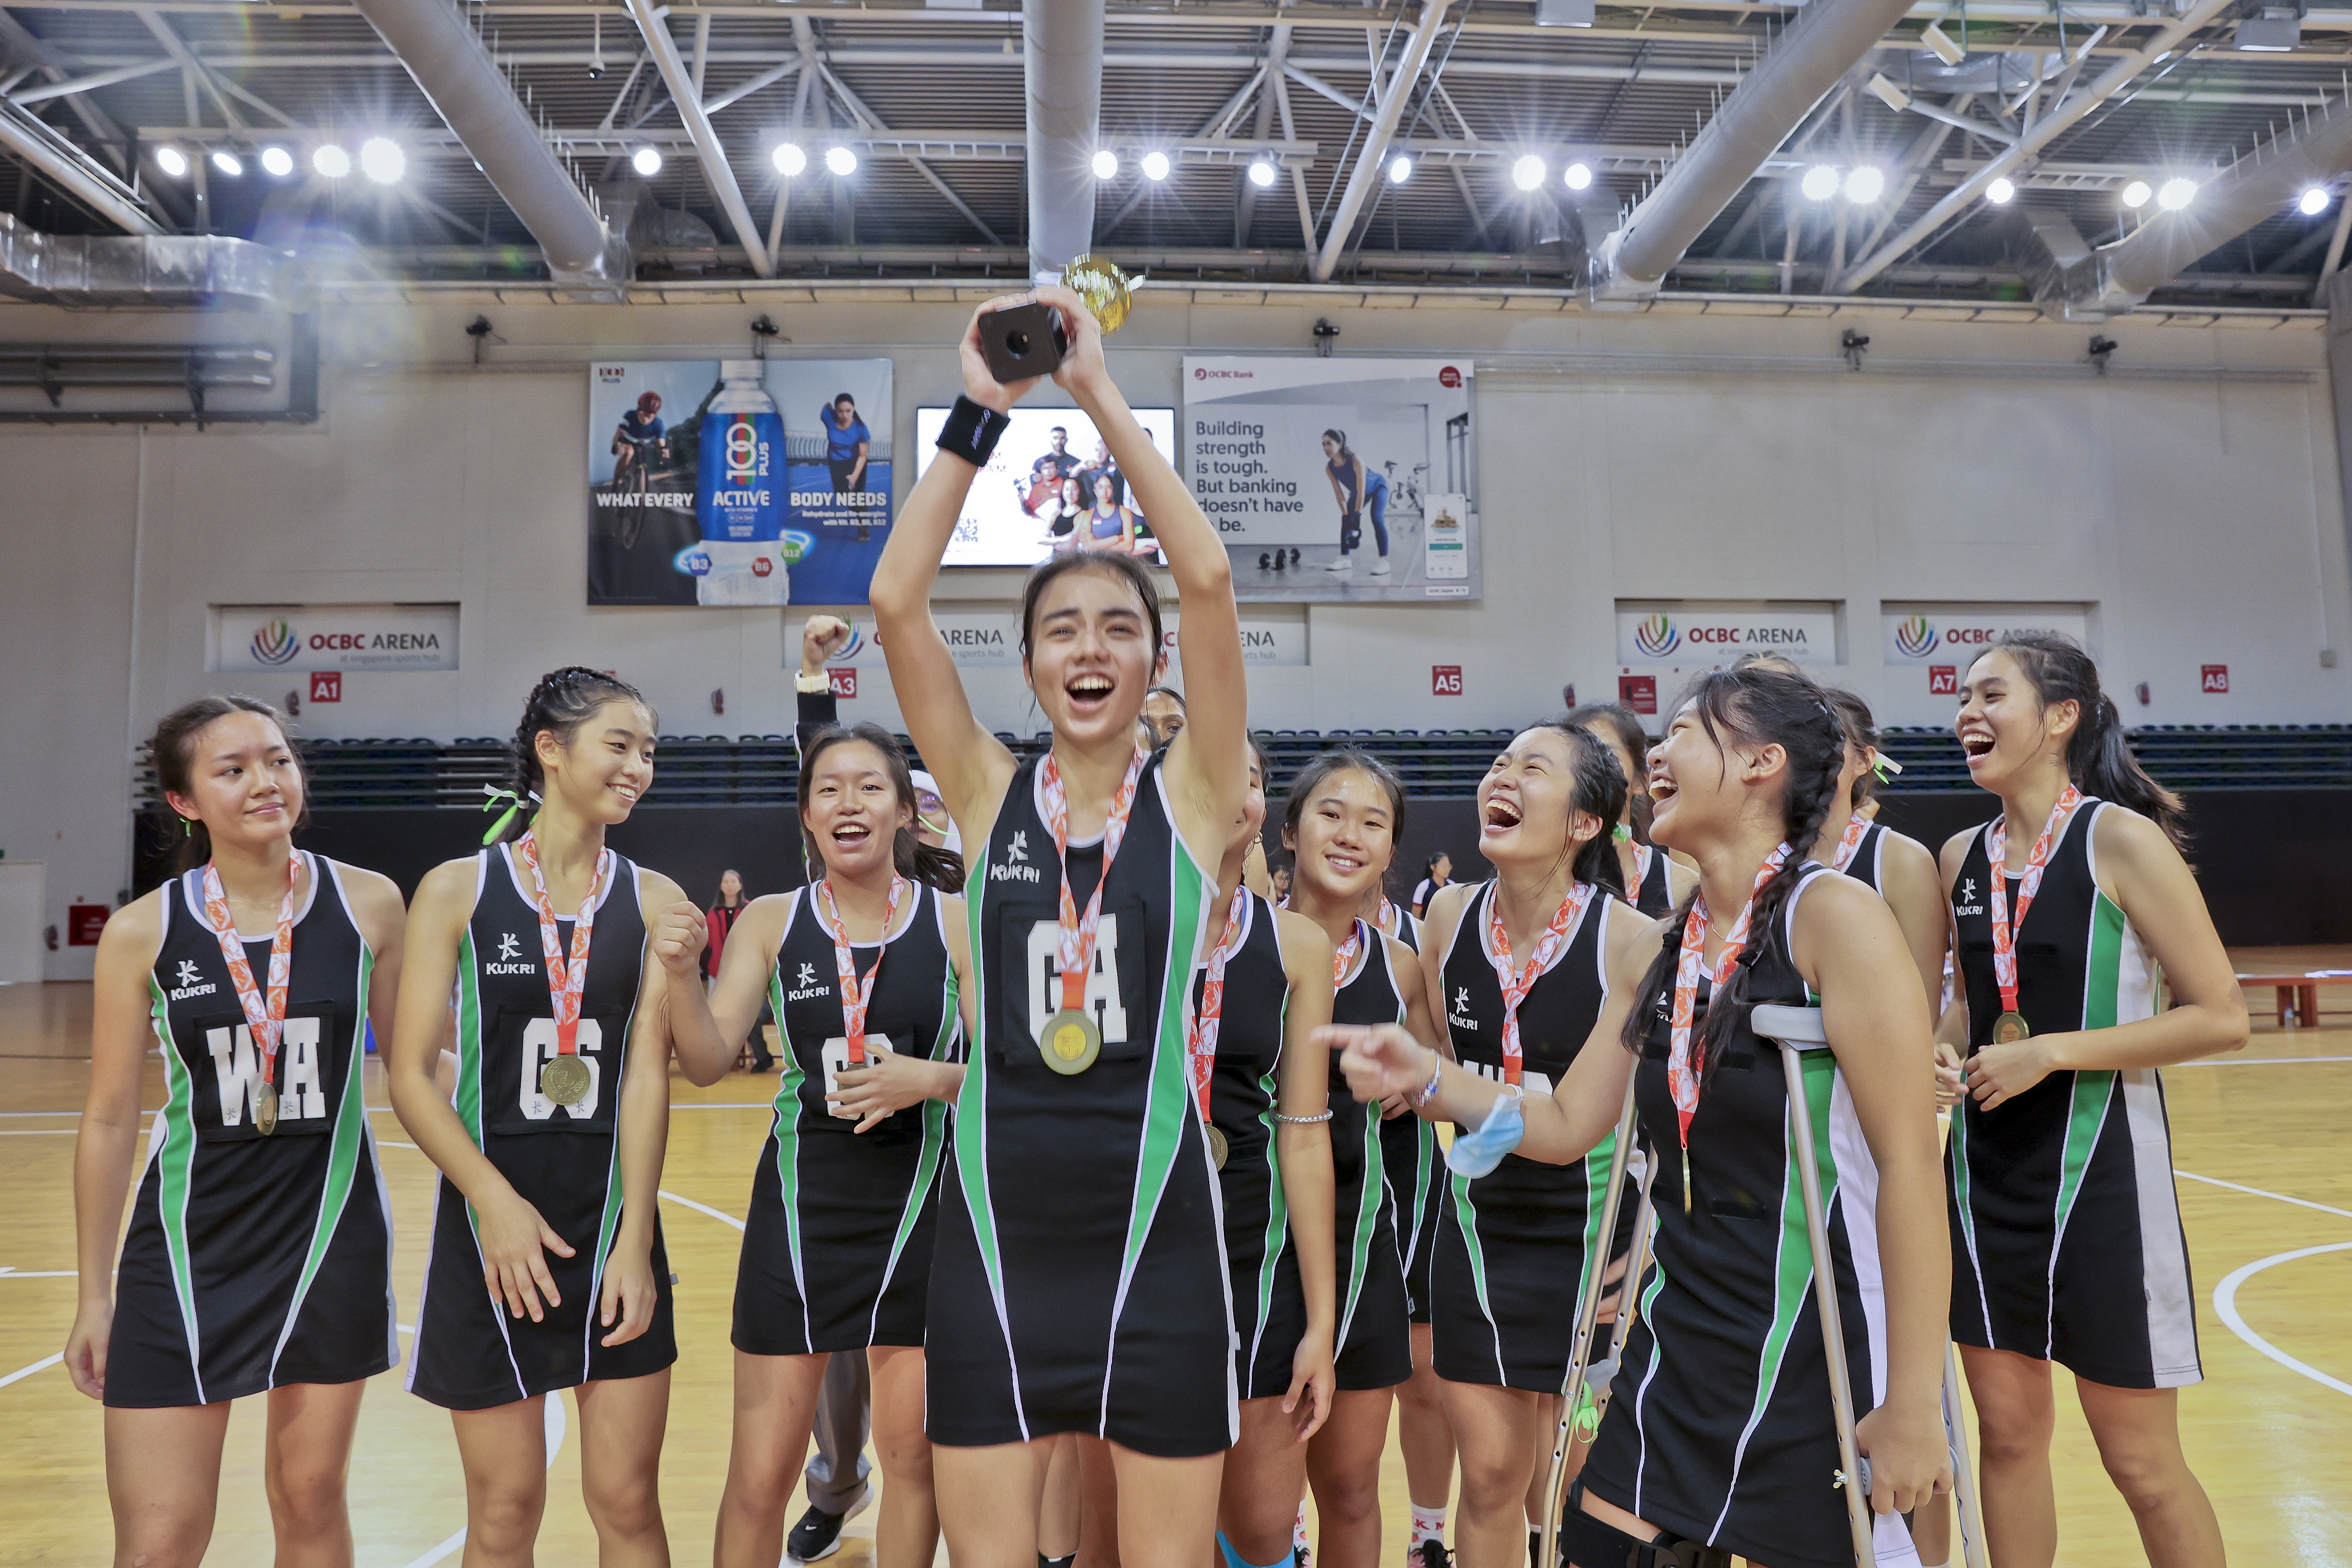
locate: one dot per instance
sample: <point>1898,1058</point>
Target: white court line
<point>2257,1192</point>
<point>2253,1061</point>
<point>702,1208</point>
<point>24,1372</point>
<point>7,1273</point>
<point>2225,1302</point>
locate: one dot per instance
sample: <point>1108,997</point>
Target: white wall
<point>2192,497</point>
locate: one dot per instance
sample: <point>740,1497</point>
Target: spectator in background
<point>1279,874</point>
<point>1435,872</point>
<point>1163,711</point>
<point>721,919</point>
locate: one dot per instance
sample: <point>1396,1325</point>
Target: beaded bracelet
<point>1303,1120</point>
<point>1428,1090</point>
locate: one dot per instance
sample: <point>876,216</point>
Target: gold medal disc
<point>1071,1042</point>
<point>1109,293</point>
<point>265,1111</point>
<point>565,1080</point>
<point>2010,1028</point>
<point>1218,1146</point>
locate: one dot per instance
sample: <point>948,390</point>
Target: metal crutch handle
<point>1587,1317</point>
<point>1797,1030</point>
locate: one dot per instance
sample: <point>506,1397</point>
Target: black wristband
<point>971,431</point>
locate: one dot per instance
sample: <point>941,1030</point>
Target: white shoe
<point>1345,563</point>
<point>1380,568</point>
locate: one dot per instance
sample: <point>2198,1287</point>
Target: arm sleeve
<point>816,710</point>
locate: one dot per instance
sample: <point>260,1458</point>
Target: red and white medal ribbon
<point>1682,1071</point>
<point>1076,953</point>
<point>1850,841</point>
<point>856,994</point>
<point>2004,930</point>
<point>264,1015</point>
<point>1643,853</point>
<point>1201,1043</point>
<point>1517,982</point>
<point>1343,957</point>
<point>565,980</point>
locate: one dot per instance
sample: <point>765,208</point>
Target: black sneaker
<point>818,1534</point>
<point>1429,1554</point>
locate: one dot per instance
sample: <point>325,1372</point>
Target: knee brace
<point>1589,1543</point>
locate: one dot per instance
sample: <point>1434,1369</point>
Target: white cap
<point>741,369</point>
<point>925,782</point>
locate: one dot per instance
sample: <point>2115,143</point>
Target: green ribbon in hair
<point>514,803</point>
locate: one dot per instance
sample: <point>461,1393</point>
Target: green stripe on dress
<point>971,1107</point>
<point>174,1166</point>
<point>788,1132</point>
<point>1168,1102</point>
<point>1793,1275</point>
<point>342,1159</point>
<point>934,1113</point>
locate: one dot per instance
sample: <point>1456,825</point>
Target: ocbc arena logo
<point>1915,637</point>
<point>274,642</point>
<point>1657,635</point>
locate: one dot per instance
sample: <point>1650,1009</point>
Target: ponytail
<point>2098,755</point>
<point>1759,705</point>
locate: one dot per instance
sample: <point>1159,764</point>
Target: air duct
<point>1826,41</point>
<point>465,85</point>
<point>1062,45</point>
<point>152,269</point>
<point>73,171</point>
<point>2116,278</point>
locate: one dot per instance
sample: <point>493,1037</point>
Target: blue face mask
<point>1473,1154</point>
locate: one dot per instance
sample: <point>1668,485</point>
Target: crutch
<point>1797,1030</point>
<point>1587,1317</point>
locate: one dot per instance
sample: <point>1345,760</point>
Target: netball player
<point>1079,1282</point>
<point>1901,868</point>
<point>259,1257</point>
<point>867,971</point>
<point>2067,1237</point>
<point>1521,964</point>
<point>546,1269</point>
<point>1720,1437</point>
<point>1654,882</point>
<point>1340,823</point>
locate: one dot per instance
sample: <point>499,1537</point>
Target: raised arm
<point>1208,763</point>
<point>972,766</point>
<point>106,1144</point>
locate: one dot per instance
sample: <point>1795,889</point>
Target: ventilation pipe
<point>1062,45</point>
<point>73,171</point>
<point>2115,277</point>
<point>465,87</point>
<point>145,270</point>
<point>1828,38</point>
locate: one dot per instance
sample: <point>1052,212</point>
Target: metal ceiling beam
<point>59,65</point>
<point>73,171</point>
<point>1748,128</point>
<point>1371,157</point>
<point>2047,128</point>
<point>71,85</point>
<point>866,116</point>
<point>716,173</point>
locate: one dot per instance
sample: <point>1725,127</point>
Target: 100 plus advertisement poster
<point>735,482</point>
<point>1352,481</point>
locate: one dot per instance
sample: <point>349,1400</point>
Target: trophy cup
<point>1027,339</point>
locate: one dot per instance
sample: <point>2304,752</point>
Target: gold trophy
<point>1026,341</point>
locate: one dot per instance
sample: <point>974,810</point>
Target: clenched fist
<point>679,934</point>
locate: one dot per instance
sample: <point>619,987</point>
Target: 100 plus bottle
<point>738,497</point>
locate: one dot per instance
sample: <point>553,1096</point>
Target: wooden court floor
<point>2260,1142</point>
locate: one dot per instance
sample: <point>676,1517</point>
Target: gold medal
<point>1072,1042</point>
<point>565,1080</point>
<point>2010,1028</point>
<point>1218,1145</point>
<point>1108,293</point>
<point>1687,1174</point>
<point>265,1111</point>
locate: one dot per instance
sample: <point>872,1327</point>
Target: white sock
<point>1428,1524</point>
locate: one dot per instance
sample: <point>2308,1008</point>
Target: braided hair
<point>911,858</point>
<point>2098,758</point>
<point>562,700</point>
<point>1755,704</point>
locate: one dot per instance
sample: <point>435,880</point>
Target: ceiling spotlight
<point>1106,164</point>
<point>276,162</point>
<point>1820,184</point>
<point>1399,169</point>
<point>1528,173</point>
<point>383,161</point>
<point>2175,194</point>
<point>1865,185</point>
<point>331,161</point>
<point>172,161</point>
<point>2314,201</point>
<point>1261,172</point>
<point>2001,192</point>
<point>229,163</point>
<point>788,158</point>
<point>1576,176</point>
<point>646,160</point>
<point>1155,165</point>
<point>2135,195</point>
<point>840,161</point>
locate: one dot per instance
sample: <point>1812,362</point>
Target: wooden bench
<point>2297,993</point>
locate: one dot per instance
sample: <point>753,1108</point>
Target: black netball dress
<point>1375,1332</point>
<point>1244,1087</point>
<point>1719,1425</point>
<point>2066,1236</point>
<point>1863,864</point>
<point>1516,1245</point>
<point>253,1261</point>
<point>1654,894</point>
<point>1079,1282</point>
<point>1415,1168</point>
<point>837,1245</point>
<point>470,1354</point>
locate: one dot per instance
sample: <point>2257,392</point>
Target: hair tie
<point>1884,767</point>
<point>514,803</point>
<point>1622,834</point>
